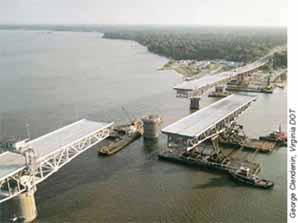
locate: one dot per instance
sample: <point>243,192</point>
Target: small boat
<point>278,136</point>
<point>243,175</point>
<point>121,136</point>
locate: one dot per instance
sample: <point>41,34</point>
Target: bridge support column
<point>241,78</point>
<point>23,207</point>
<point>152,125</point>
<point>194,103</point>
<point>220,89</point>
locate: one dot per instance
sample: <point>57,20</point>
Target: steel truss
<point>235,134</point>
<point>13,185</point>
<point>38,170</point>
<point>187,143</point>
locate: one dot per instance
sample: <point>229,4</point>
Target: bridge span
<point>201,125</point>
<point>35,160</point>
<point>198,87</point>
<point>187,134</point>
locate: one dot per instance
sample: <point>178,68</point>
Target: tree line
<point>204,43</point>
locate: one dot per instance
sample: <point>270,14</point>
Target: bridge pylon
<point>23,207</point>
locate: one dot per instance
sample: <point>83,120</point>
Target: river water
<point>49,79</point>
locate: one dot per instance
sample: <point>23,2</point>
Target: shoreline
<point>197,69</point>
<point>184,70</point>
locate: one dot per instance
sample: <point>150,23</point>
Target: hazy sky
<point>204,12</point>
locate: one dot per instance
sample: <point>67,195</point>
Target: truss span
<point>203,124</point>
<point>38,159</point>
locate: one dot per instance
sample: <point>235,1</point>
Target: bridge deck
<point>204,81</point>
<point>49,143</point>
<point>212,80</point>
<point>10,163</point>
<point>202,120</point>
<point>50,153</point>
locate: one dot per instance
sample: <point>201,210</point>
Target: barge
<point>207,160</point>
<point>243,175</point>
<point>260,145</point>
<point>279,137</point>
<point>229,165</point>
<point>120,137</point>
<point>267,89</point>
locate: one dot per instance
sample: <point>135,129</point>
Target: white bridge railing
<point>38,170</point>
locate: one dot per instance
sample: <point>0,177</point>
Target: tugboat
<point>243,175</point>
<point>277,136</point>
<point>121,136</point>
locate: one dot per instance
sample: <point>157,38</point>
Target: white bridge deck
<point>11,163</point>
<point>46,155</point>
<point>199,86</point>
<point>53,141</point>
<point>198,123</point>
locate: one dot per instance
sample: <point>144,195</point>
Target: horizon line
<point>145,24</point>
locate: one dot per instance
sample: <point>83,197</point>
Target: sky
<point>164,12</point>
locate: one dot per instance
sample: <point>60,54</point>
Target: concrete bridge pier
<point>220,89</point>
<point>152,125</point>
<point>194,103</point>
<point>242,77</point>
<point>23,207</point>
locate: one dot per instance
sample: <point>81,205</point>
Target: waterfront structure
<point>35,160</point>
